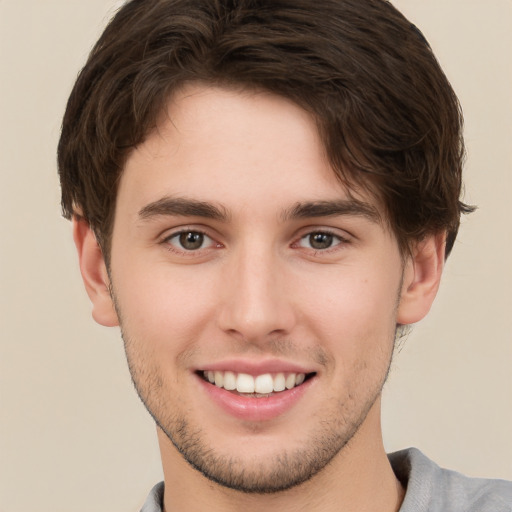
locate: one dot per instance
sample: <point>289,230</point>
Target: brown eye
<point>190,243</point>
<point>320,240</point>
<point>191,240</point>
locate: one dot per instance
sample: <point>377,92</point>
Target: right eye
<point>189,240</point>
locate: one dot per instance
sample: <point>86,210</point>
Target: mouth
<point>254,386</point>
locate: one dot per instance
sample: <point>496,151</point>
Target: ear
<point>422,275</point>
<point>94,273</point>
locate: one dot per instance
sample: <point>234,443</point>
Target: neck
<point>358,479</point>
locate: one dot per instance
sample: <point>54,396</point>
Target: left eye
<point>189,240</point>
<point>319,241</point>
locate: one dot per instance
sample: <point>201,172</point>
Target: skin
<point>236,170</point>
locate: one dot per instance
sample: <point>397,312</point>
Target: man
<point>263,195</point>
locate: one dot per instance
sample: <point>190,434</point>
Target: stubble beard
<point>286,469</point>
<point>282,471</point>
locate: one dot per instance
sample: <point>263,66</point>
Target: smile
<point>258,386</point>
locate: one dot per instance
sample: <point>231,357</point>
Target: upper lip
<point>254,368</point>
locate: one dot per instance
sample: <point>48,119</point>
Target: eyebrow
<point>351,207</point>
<point>183,207</point>
<point>173,206</point>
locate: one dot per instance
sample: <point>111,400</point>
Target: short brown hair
<point>386,112</point>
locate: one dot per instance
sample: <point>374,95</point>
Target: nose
<point>255,302</point>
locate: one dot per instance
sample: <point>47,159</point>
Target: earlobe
<point>94,273</point>
<point>422,276</point>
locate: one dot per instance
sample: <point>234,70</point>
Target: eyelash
<point>189,252</point>
<point>341,241</point>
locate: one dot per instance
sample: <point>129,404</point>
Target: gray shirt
<point>429,488</point>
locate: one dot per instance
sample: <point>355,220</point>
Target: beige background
<point>73,436</point>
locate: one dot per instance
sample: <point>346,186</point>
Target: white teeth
<point>263,384</point>
<point>279,382</point>
<point>229,381</point>
<point>245,383</point>
<point>219,379</point>
<point>290,381</point>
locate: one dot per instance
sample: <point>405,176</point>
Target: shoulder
<point>430,488</point>
<point>154,502</point>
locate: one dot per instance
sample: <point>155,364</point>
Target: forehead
<point>241,148</point>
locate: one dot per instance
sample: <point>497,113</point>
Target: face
<point>258,300</point>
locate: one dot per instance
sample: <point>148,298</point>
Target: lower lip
<point>255,409</point>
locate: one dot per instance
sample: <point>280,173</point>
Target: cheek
<point>351,301</point>
<point>355,321</point>
<point>164,307</point>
